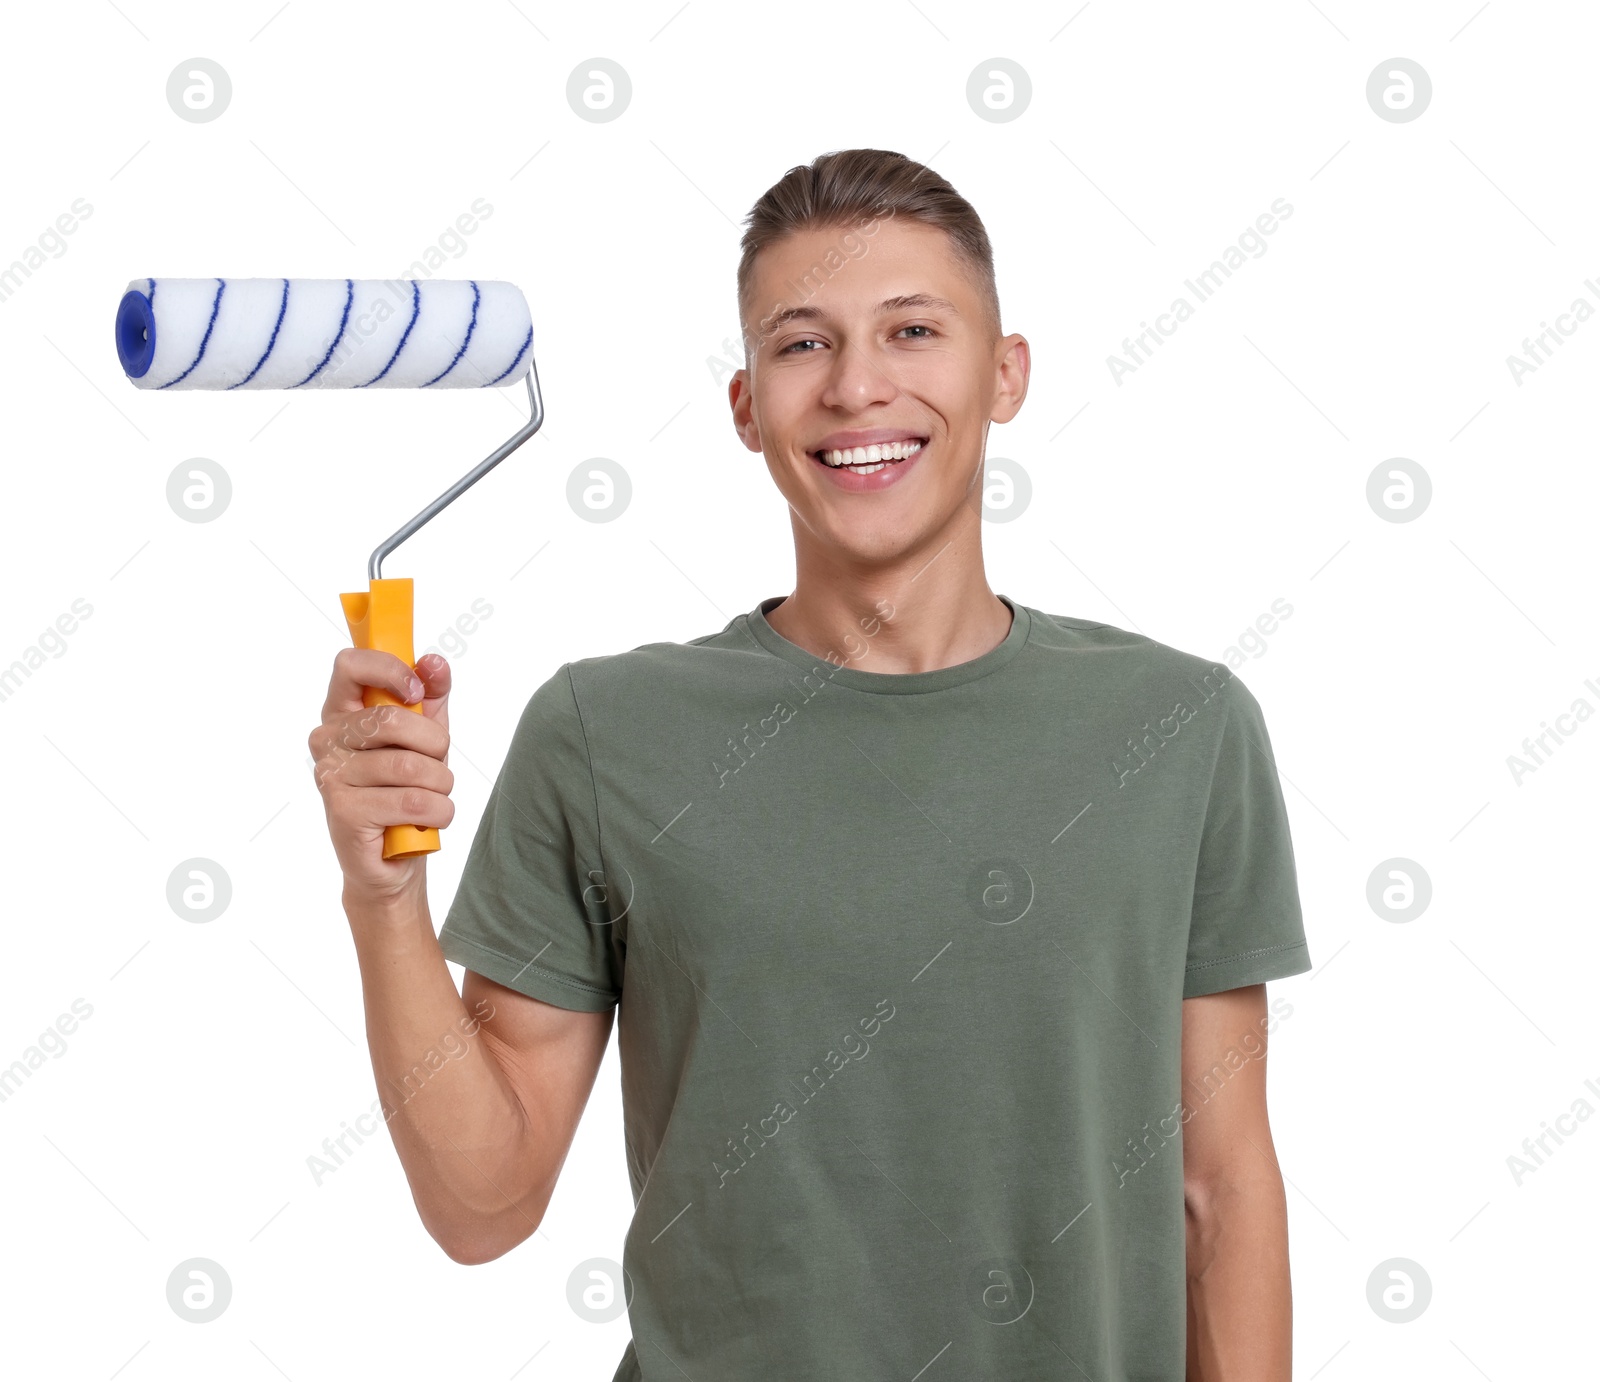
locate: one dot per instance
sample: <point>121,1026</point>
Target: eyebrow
<point>894,304</point>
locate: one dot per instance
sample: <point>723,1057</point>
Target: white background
<point>1229,471</point>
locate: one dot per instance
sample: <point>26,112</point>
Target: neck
<point>923,611</point>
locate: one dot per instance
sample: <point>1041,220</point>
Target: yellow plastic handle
<point>380,617</point>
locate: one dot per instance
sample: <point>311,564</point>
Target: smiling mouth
<point>865,460</point>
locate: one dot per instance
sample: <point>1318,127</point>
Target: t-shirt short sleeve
<point>530,911</point>
<point>1245,925</point>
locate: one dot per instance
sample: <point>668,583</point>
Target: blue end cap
<point>136,334</point>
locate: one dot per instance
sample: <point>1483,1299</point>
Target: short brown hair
<point>848,186</point>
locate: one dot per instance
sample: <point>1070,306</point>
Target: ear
<point>741,399</point>
<point>1012,366</point>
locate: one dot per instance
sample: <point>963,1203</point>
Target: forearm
<point>1240,1313</point>
<point>461,1134</point>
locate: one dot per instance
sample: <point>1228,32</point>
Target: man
<point>936,923</point>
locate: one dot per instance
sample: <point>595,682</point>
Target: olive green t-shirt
<point>900,962</point>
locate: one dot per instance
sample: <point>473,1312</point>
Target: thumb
<point>434,673</point>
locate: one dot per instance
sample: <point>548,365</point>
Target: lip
<point>842,477</point>
<point>839,441</point>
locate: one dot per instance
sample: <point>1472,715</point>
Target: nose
<point>856,380</point>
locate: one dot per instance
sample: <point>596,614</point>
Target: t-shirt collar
<point>848,669</point>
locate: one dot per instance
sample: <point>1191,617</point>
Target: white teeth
<point>865,459</point>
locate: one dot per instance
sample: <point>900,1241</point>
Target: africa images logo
<point>1142,752</point>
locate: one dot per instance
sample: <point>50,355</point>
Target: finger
<point>435,674</point>
<point>379,726</point>
<point>357,668</point>
<point>391,767</point>
<point>381,807</point>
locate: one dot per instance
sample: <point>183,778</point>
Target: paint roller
<point>302,333</point>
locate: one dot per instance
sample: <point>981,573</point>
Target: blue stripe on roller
<point>282,308</point>
<point>527,341</point>
<point>416,307</point>
<point>152,293</point>
<point>471,327</point>
<point>205,340</point>
<point>349,295</point>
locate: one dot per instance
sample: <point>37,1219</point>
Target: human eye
<point>805,340</point>
<point>918,326</point>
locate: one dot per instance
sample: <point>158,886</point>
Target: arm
<point>482,1125</point>
<point>1237,1221</point>
<point>481,1105</point>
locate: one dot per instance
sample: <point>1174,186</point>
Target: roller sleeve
<point>323,333</point>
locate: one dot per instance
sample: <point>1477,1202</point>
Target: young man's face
<point>855,367</point>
